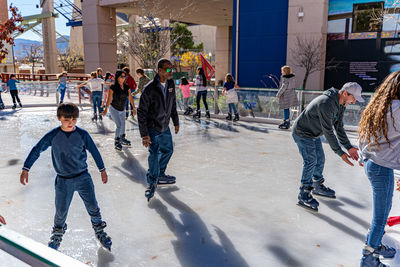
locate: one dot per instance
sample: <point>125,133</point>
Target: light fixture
<point>300,14</point>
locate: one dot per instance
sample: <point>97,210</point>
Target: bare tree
<point>34,54</point>
<point>149,38</point>
<point>308,55</point>
<point>69,59</point>
<point>390,12</point>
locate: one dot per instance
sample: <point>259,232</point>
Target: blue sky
<point>27,8</point>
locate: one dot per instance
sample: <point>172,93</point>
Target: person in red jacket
<point>130,81</point>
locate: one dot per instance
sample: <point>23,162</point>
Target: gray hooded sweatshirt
<point>387,156</point>
<point>320,117</point>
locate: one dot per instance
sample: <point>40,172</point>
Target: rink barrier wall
<point>32,252</point>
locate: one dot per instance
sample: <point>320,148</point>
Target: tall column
<point>3,10</point>
<point>76,33</point>
<point>313,24</point>
<point>222,53</point>
<point>133,65</point>
<point>49,39</point>
<point>99,36</point>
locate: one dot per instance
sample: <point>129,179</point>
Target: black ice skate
<point>94,118</point>
<point>236,118</point>
<point>208,114</point>
<point>321,190</point>
<point>229,117</point>
<point>306,200</point>
<point>285,125</point>
<point>166,180</point>
<point>197,115</point>
<point>149,193</point>
<point>56,237</point>
<point>102,236</point>
<point>117,144</point>
<point>124,141</point>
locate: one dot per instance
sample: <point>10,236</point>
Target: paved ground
<point>234,203</point>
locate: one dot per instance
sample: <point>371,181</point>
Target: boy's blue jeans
<point>161,150</point>
<point>232,107</point>
<point>97,97</point>
<point>313,159</point>
<point>62,87</point>
<point>65,189</point>
<point>382,182</point>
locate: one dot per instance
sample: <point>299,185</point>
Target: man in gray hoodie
<point>320,117</point>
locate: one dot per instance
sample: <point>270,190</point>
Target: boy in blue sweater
<point>68,152</point>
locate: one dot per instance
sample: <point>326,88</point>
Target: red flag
<point>208,69</point>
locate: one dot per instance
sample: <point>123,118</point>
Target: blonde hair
<point>286,69</point>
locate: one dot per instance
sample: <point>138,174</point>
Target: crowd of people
<point>378,140</point>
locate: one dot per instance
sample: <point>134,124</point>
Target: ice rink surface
<point>234,203</point>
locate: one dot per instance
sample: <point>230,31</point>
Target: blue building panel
<point>262,40</point>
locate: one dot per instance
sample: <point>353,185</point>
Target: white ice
<point>234,203</point>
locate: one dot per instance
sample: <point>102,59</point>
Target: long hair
<point>203,76</point>
<point>229,78</point>
<point>108,76</point>
<point>373,123</point>
<point>116,83</point>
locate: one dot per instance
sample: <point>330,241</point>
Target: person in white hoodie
<point>379,142</point>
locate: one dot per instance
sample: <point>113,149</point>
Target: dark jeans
<point>62,87</point>
<point>382,183</point>
<point>232,107</point>
<point>14,95</point>
<point>1,100</point>
<point>313,159</point>
<point>65,189</point>
<point>201,94</point>
<point>96,99</point>
<point>286,114</point>
<point>161,150</point>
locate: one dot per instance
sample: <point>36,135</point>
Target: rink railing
<point>32,252</point>
<point>253,102</point>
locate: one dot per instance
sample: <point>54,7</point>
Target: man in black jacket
<point>321,117</point>
<point>156,107</point>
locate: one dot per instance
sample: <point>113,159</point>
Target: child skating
<point>231,96</point>
<point>68,149</point>
<point>11,83</point>
<point>184,85</point>
<point>62,85</point>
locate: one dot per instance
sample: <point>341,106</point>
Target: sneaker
<point>321,190</point>
<point>166,180</point>
<point>306,200</point>
<point>370,258</point>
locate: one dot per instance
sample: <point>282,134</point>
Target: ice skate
<point>208,114</point>
<point>124,141</point>
<point>306,200</point>
<point>2,106</point>
<point>94,118</point>
<point>197,115</point>
<point>14,106</point>
<point>100,117</point>
<point>236,118</point>
<point>370,258</point>
<point>117,144</point>
<point>229,117</point>
<point>285,125</point>
<point>166,180</point>
<point>149,193</point>
<point>56,237</point>
<point>20,105</point>
<point>321,190</point>
<point>102,236</point>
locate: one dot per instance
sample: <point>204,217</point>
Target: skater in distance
<point>320,117</point>
<point>287,95</point>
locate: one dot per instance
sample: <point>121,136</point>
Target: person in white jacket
<point>379,142</point>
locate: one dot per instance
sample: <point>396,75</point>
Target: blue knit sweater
<point>68,152</point>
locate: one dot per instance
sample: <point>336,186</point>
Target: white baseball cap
<point>355,90</point>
